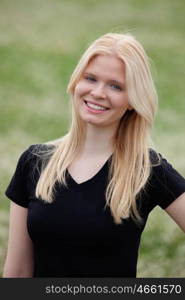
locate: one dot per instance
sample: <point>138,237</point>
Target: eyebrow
<point>111,80</point>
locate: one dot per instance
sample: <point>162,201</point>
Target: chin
<point>91,122</point>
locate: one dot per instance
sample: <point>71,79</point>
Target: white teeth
<point>94,106</point>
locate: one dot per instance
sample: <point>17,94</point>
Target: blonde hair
<point>130,165</point>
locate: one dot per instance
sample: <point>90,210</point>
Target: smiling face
<point>100,95</point>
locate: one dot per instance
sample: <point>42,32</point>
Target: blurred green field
<point>40,43</point>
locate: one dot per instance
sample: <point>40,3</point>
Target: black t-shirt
<point>75,236</point>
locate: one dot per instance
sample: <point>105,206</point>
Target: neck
<point>98,141</point>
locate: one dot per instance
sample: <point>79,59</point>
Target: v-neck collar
<point>98,177</point>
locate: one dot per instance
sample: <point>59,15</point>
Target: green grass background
<point>40,43</point>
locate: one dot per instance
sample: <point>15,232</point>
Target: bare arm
<point>176,210</point>
<point>19,260</point>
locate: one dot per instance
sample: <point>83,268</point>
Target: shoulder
<point>160,166</point>
<point>34,155</point>
<point>159,163</point>
<point>164,184</point>
<point>155,158</point>
<point>165,175</point>
<point>38,150</point>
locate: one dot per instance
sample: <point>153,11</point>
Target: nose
<point>98,91</point>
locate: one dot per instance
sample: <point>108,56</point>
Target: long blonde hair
<point>130,165</point>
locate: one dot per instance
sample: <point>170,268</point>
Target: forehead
<point>107,65</point>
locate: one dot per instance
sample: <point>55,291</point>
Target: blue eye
<point>90,78</point>
<point>116,87</point>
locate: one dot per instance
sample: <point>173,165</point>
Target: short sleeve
<point>17,189</point>
<point>167,183</point>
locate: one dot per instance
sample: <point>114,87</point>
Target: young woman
<point>79,204</point>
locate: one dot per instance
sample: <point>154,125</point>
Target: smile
<point>95,106</point>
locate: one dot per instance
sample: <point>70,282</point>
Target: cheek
<point>121,102</point>
<point>80,89</point>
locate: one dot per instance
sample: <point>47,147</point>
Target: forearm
<point>23,270</point>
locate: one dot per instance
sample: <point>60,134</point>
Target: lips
<point>86,101</point>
